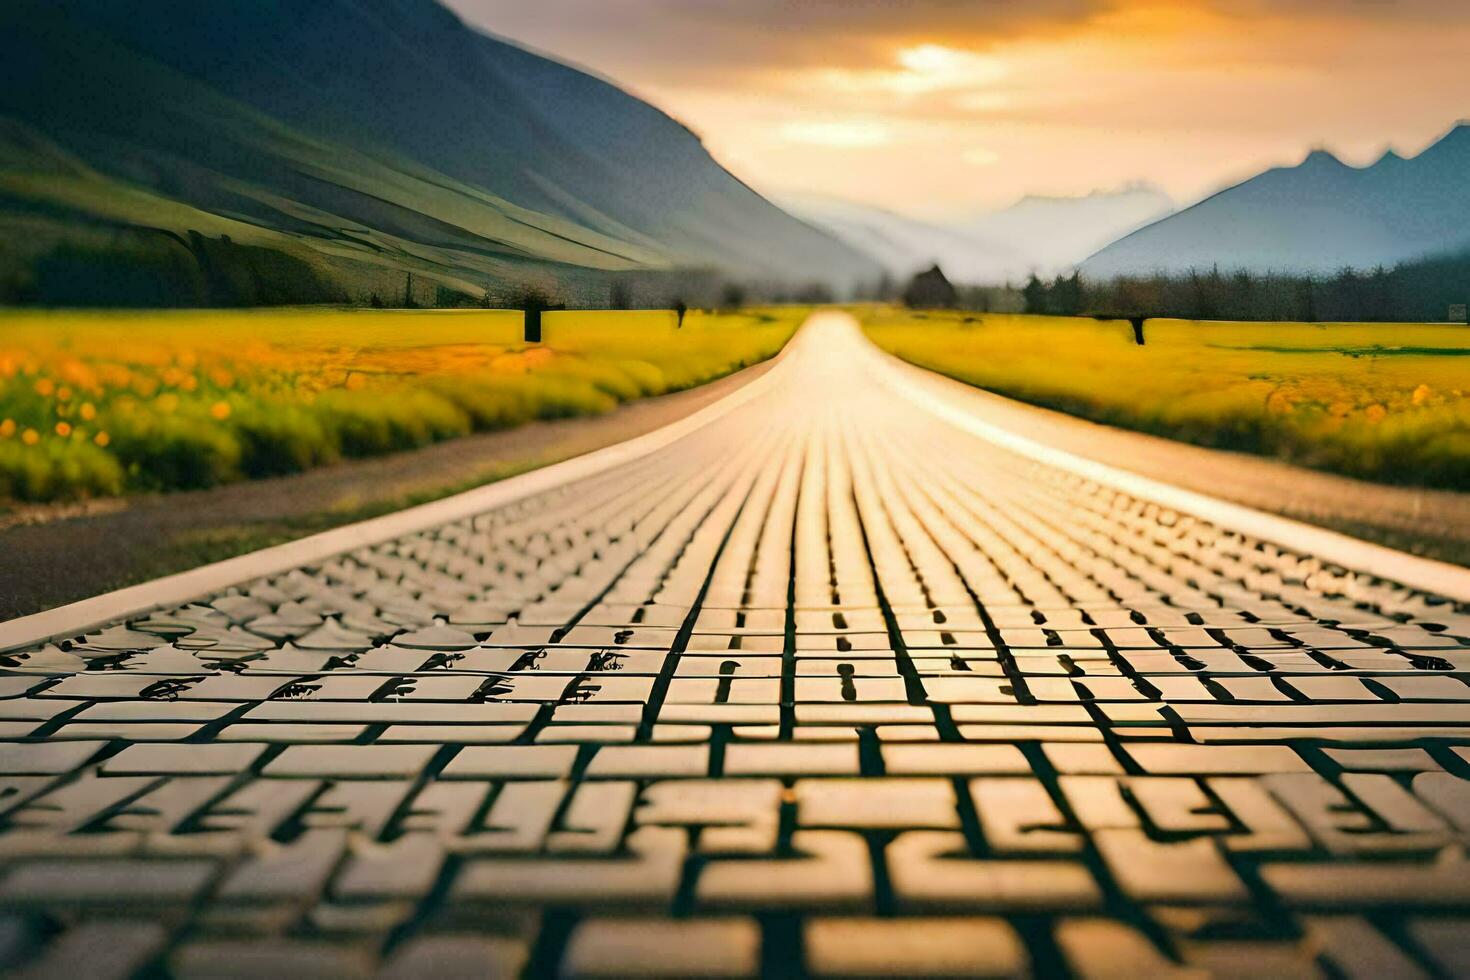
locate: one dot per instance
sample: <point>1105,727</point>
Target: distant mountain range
<point>1320,216</point>
<point>903,245</point>
<point>1053,234</point>
<point>1045,235</point>
<point>364,139</point>
<point>1317,217</point>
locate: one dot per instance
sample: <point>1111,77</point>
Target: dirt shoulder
<point>52,556</point>
<point>1430,523</point>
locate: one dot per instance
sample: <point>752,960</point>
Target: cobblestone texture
<point>824,689</point>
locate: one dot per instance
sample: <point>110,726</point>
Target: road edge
<point>75,618</point>
<point>1363,557</point>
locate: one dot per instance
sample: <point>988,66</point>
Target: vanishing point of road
<point>837,676</point>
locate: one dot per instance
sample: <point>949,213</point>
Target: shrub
<point>277,439</point>
<point>57,470</point>
<point>171,452</point>
<point>104,403</point>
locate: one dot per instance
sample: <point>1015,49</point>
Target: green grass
<point>1387,401</point>
<point>103,404</point>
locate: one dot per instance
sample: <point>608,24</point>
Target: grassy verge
<point>1385,402</point>
<point>104,404</point>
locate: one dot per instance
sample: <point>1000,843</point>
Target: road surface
<point>835,677</point>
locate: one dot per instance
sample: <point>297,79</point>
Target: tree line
<point>1421,291</point>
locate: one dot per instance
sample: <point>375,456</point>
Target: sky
<point>945,108</point>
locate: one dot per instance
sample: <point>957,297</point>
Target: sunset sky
<point>941,108</point>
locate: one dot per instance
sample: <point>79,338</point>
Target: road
<point>835,677</point>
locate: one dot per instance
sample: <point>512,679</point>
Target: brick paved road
<point>827,686</point>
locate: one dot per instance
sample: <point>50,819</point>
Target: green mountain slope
<point>362,140</point>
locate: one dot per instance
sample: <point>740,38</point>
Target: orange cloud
<point>938,106</point>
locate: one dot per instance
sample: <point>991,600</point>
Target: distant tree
<point>681,309</point>
<point>129,272</point>
<point>1241,291</point>
<point>1066,295</point>
<point>815,294</point>
<point>16,289</point>
<point>885,289</point>
<point>732,297</point>
<point>1035,295</point>
<point>1309,306</point>
<point>533,299</point>
<point>1378,305</point>
<point>1138,297</point>
<point>620,295</point>
<point>1422,290</point>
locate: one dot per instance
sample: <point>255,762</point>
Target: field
<point>102,404</point>
<point>1384,401</point>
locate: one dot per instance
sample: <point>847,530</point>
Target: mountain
<point>901,244</point>
<point>1319,216</point>
<point>1046,235</point>
<point>1052,234</point>
<point>360,135</point>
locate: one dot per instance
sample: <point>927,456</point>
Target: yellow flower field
<point>95,404</point>
<point>1383,401</point>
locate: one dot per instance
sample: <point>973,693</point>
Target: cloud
<point>841,134</point>
<point>945,104</point>
<point>1399,10</point>
<point>664,40</point>
<point>696,39</point>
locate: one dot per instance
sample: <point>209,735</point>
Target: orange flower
<point>7,428</point>
<point>1422,394</point>
<point>88,411</point>
<point>45,387</point>
<point>1376,413</point>
<point>220,410</point>
<point>63,429</point>
<point>102,439</point>
<point>30,437</point>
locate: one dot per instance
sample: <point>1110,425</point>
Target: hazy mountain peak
<point>1324,159</point>
<point>1318,216</point>
<point>1050,235</point>
<point>1045,234</point>
<point>1456,141</point>
<point>901,244</point>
